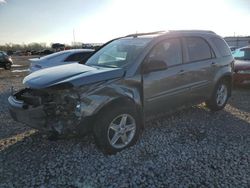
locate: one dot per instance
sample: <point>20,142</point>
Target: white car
<point>59,58</point>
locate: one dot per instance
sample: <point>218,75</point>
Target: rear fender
<point>225,74</point>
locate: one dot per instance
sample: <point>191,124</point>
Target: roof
<point>79,50</point>
<point>171,32</point>
<point>246,47</point>
<point>142,34</point>
<point>193,31</point>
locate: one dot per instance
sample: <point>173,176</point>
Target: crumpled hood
<point>76,74</point>
<point>242,64</point>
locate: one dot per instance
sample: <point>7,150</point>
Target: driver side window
<point>168,51</point>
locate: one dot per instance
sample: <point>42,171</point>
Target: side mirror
<point>154,65</point>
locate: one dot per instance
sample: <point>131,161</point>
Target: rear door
<point>199,60</point>
<point>165,89</point>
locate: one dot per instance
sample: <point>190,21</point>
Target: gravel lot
<point>191,148</point>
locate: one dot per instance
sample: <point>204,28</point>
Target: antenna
<point>74,39</point>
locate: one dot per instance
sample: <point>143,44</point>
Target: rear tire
<point>116,129</point>
<point>220,96</point>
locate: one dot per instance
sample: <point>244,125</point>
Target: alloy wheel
<point>121,131</point>
<point>222,94</point>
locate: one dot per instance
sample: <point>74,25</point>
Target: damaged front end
<point>66,109</point>
<point>47,109</point>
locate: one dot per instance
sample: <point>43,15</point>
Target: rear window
<point>198,49</point>
<point>221,46</point>
<point>242,54</point>
<point>54,55</point>
<point>78,56</point>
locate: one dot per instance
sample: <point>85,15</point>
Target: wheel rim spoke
<point>130,127</point>
<point>115,138</point>
<point>114,127</point>
<point>123,120</point>
<point>124,138</point>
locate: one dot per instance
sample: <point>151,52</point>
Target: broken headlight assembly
<point>62,106</point>
<point>64,111</point>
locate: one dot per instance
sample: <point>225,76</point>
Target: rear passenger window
<point>77,56</point>
<point>168,51</point>
<point>221,46</point>
<point>197,49</point>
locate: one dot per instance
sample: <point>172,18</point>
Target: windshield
<point>242,54</point>
<point>118,53</point>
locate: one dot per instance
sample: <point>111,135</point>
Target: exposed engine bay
<point>62,109</point>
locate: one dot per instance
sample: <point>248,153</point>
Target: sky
<point>98,21</point>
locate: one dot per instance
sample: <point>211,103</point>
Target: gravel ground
<point>190,148</point>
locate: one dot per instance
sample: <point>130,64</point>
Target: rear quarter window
<point>221,46</point>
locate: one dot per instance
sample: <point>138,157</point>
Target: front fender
<point>92,102</point>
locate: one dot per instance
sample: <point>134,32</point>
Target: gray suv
<point>126,80</point>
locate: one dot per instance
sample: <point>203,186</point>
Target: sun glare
<point>124,17</point>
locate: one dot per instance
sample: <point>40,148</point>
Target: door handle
<point>181,72</point>
<point>213,64</point>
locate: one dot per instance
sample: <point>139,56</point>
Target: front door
<point>165,89</point>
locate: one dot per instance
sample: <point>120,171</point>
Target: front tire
<point>220,96</point>
<point>116,129</point>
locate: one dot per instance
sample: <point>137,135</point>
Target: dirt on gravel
<point>190,148</point>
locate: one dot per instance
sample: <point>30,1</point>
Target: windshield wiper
<point>107,66</point>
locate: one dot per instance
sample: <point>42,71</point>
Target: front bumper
<point>34,117</point>
<point>46,117</point>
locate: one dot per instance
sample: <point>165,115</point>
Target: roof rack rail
<point>198,31</point>
<point>141,34</point>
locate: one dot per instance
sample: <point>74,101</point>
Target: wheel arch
<point>121,101</point>
<point>228,78</point>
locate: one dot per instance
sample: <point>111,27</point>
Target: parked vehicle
<point>242,66</point>
<point>5,61</point>
<point>19,53</point>
<point>59,58</point>
<point>46,52</point>
<point>34,52</point>
<point>232,48</point>
<point>126,80</point>
<point>10,52</point>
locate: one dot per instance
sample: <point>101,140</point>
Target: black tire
<point>53,136</point>
<point>213,103</point>
<point>102,128</point>
<point>7,66</point>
